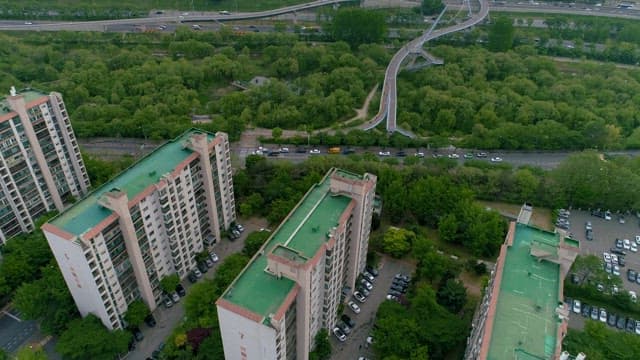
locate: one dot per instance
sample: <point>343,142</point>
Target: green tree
<point>397,242</point>
<point>254,241</point>
<point>168,283</point>
<point>88,338</point>
<point>357,26</point>
<point>452,295</point>
<point>276,133</point>
<point>48,300</point>
<point>501,34</point>
<point>322,350</point>
<point>137,311</point>
<point>431,7</point>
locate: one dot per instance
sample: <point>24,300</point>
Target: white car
<point>633,296</point>
<point>454,156</point>
<point>366,284</point>
<point>214,257</point>
<point>614,289</point>
<point>633,247</point>
<point>339,334</point>
<point>577,306</point>
<point>419,154</point>
<point>606,256</point>
<point>384,153</point>
<point>626,244</point>
<point>607,215</point>
<point>638,239</point>
<point>358,296</point>
<point>616,271</point>
<point>314,151</point>
<point>588,226</point>
<point>614,259</point>
<point>496,159</point>
<point>354,307</point>
<point>391,297</point>
<point>284,150</point>
<point>603,315</point>
<point>638,327</point>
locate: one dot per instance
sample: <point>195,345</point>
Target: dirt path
<point>364,110</point>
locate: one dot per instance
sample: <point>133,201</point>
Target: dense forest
<point>149,85</point>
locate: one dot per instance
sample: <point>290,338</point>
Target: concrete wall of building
<point>244,339</point>
<point>77,274</point>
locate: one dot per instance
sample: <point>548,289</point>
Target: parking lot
<point>605,233</point>
<point>168,319</point>
<point>14,331</point>
<point>356,343</point>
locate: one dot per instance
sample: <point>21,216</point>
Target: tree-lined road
<point>101,25</point>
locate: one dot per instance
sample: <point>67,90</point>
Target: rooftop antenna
<point>12,91</point>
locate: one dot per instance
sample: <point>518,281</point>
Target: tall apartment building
<point>40,164</point>
<point>522,315</point>
<point>115,245</point>
<point>292,287</point>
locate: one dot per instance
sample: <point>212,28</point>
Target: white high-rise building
<point>115,245</point>
<point>292,287</point>
<point>41,168</point>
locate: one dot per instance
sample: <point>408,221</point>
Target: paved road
<point>168,319</point>
<point>355,345</point>
<point>101,25</point>
<point>388,99</point>
<point>14,332</point>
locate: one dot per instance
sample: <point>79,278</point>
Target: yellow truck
<point>334,150</point>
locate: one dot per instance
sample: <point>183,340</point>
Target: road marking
<point>12,316</point>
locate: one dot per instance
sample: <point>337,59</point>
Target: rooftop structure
<point>292,287</point>
<point>302,233</point>
<point>41,168</point>
<point>522,315</point>
<point>87,212</point>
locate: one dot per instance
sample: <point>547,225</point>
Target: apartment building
<point>522,315</point>
<point>292,287</point>
<point>41,168</point>
<point>115,245</point>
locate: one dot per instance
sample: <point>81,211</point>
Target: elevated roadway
<point>388,100</point>
<point>101,25</point>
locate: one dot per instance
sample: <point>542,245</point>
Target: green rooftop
<point>86,213</point>
<point>298,238</point>
<point>29,96</point>
<point>525,324</point>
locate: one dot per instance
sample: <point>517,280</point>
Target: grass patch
<point>541,216</point>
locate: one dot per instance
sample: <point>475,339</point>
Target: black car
<point>631,275</point>
<point>181,291</point>
<point>398,288</point>
<point>348,151</point>
<point>618,251</point>
<point>192,278</point>
<point>137,334</point>
<point>611,320</point>
<point>586,310</point>
<point>347,320</point>
<point>575,279</point>
<point>631,325</point>
<point>373,271</point>
<point>203,267</point>
<point>395,293</point>
<point>590,235</point>
<point>346,329</point>
<point>363,290</point>
<point>622,323</point>
<point>401,154</point>
<point>132,344</point>
<point>621,260</point>
<point>301,150</point>
<point>150,320</point>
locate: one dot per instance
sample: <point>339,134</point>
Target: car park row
<point>600,314</point>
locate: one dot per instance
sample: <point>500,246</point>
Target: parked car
<point>395,293</point>
<point>167,302</point>
<point>626,244</point>
<point>586,310</point>
<point>589,235</point>
<point>631,325</point>
<point>577,306</point>
<point>391,297</point>
<point>150,320</point>
<point>366,284</point>
<point>214,257</point>
<point>175,297</point>
<point>496,159</point>
<point>618,251</point>
<point>633,296</point>
<point>398,288</point>
<point>358,296</point>
<point>603,315</point>
<point>616,270</point>
<point>371,270</point>
<point>632,275</point>
<point>384,153</point>
<point>622,323</point>
<point>137,334</point>
<point>344,327</point>
<point>607,215</point>
<point>363,290</point>
<point>197,273</point>
<point>612,319</point>
<point>638,327</point>
<point>181,291</point>
<point>588,226</point>
<point>347,320</point>
<point>354,307</point>
<point>594,313</point>
<point>606,256</point>
<point>209,263</point>
<point>315,152</point>
<point>192,278</point>
<point>339,334</point>
<point>619,244</point>
<point>608,267</point>
<point>368,276</point>
<point>203,267</point>
<point>621,220</point>
<point>634,247</point>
